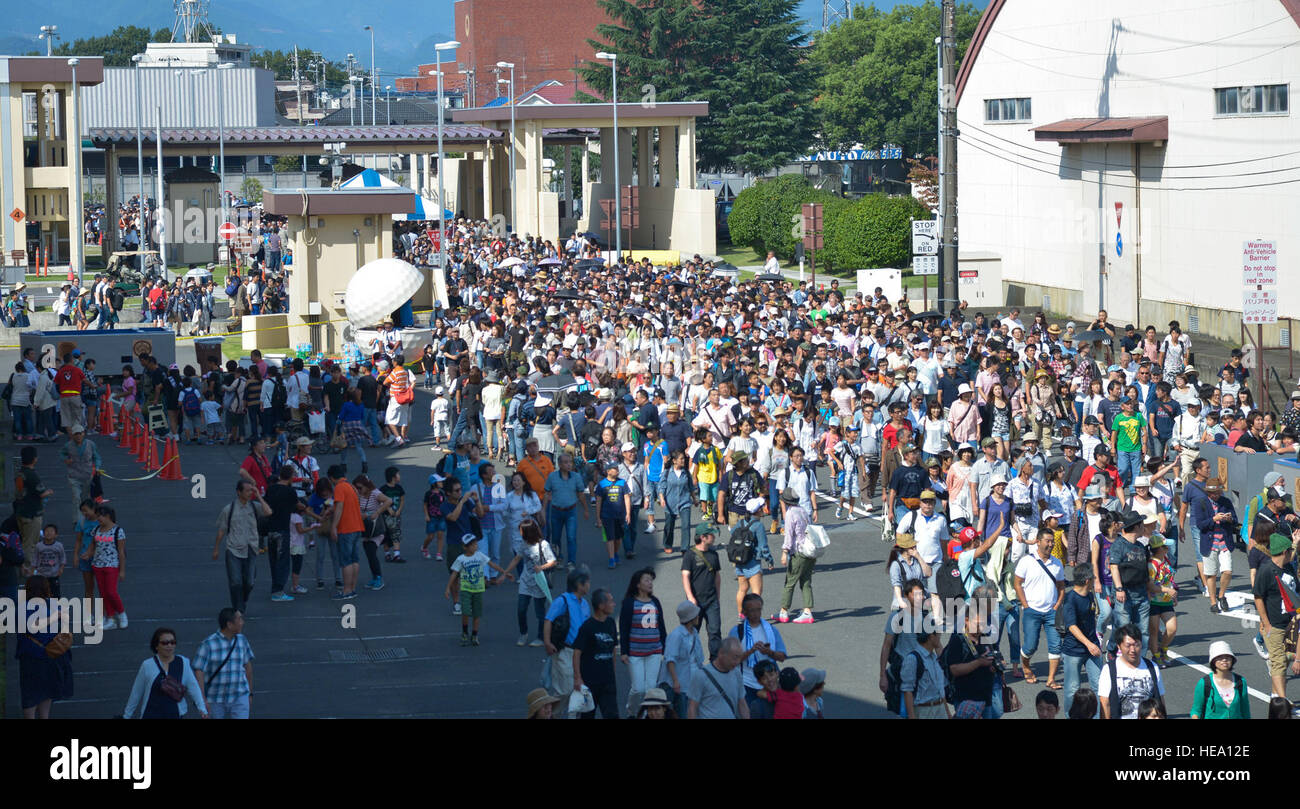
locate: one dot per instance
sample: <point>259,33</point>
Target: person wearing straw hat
<point>1221,694</point>
<point>655,705</point>
<point>541,704</point>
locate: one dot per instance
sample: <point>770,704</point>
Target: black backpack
<point>949,584</point>
<point>894,694</point>
<point>279,398</point>
<point>591,437</point>
<point>560,626</point>
<point>743,545</point>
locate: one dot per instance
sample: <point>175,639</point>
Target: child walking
<point>299,529</point>
<point>469,572</point>
<point>85,529</point>
<point>435,525</point>
<point>50,557</point>
<point>438,411</point>
<point>108,558</point>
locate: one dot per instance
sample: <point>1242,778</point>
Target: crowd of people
<point>1032,480</point>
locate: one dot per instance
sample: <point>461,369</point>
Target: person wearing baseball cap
<point>613,494</point>
<point>702,580</point>
<point>1079,652</point>
<point>1216,518</point>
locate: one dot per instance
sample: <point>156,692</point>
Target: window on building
<point>1259,99</point>
<point>1007,109</point>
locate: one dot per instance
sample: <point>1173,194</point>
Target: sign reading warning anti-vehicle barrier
<point>1259,281</point>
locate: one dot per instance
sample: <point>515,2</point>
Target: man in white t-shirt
<point>1040,588</point>
<point>1128,679</point>
<point>930,528</point>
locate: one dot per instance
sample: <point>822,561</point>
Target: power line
<point>1095,163</point>
<point>1106,165</point>
<point>1145,53</point>
<point>1134,76</point>
<point>1146,187</point>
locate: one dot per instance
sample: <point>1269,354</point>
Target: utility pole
<point>297,81</point>
<point>948,295</point>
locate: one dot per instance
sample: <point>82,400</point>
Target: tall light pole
<point>49,33</point>
<point>449,45</point>
<point>618,202</point>
<point>514,197</point>
<point>352,99</point>
<point>388,99</point>
<point>374,77</point>
<point>141,243</point>
<point>72,136</point>
<point>162,220</point>
<point>221,134</point>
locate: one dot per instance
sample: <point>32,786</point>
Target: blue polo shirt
<point>565,492</point>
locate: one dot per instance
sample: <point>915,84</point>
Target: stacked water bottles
<point>351,353</point>
<point>303,351</point>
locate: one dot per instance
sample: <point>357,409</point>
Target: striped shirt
<point>643,639</point>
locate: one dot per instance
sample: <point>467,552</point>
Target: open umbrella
<point>680,284</point>
<point>1091,336</point>
<point>770,278</point>
<point>929,314</point>
<point>590,235</point>
<point>549,262</point>
<point>568,295</point>
<point>556,383</point>
<point>635,311</point>
<point>510,262</point>
<point>589,262</point>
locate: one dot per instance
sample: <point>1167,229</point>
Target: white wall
<point>1038,205</point>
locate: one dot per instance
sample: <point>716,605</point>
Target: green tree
<point>877,76</point>
<point>768,215</point>
<point>251,190</point>
<point>745,57</point>
<point>874,231</point>
<point>117,47</point>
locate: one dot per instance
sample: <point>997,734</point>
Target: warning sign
<point>17,214</point>
<point>1259,263</point>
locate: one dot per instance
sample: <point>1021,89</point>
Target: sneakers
<point>523,641</point>
<point>613,563</point>
<point>1223,603</point>
<point>376,583</point>
<point>425,553</point>
<point>437,557</point>
<point>631,554</point>
<point>338,596</point>
<point>398,559</point>
<point>852,517</point>
<point>650,528</point>
<point>282,597</point>
<point>536,642</point>
<point>455,608</point>
<point>320,584</point>
<point>473,639</point>
<point>464,639</point>
<point>783,617</point>
<point>1214,607</point>
<point>805,617</point>
<point>1259,647</point>
<point>121,620</point>
<point>838,514</point>
<point>868,507</point>
<point>299,590</point>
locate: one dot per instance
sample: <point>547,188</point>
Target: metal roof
<point>297,134</point>
<point>184,97</point>
<point>1111,130</point>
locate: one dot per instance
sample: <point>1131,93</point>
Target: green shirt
<point>1128,430</point>
<point>1207,702</point>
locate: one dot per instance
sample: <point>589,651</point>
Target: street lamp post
<point>49,33</point>
<point>449,45</point>
<point>388,99</point>
<point>221,134</point>
<point>352,100</point>
<point>618,203</point>
<point>468,73</point>
<point>72,135</point>
<point>514,196</point>
<point>374,80</point>
<point>141,244</point>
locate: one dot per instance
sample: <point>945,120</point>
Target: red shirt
<point>68,380</point>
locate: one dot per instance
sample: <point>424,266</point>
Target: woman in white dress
<point>521,503</point>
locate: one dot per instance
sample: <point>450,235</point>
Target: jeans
<point>239,575</point>
<point>235,709</point>
<point>1009,627</point>
<point>710,615</point>
<point>515,442</point>
<point>1135,610</point>
<point>681,518</point>
<point>900,511</point>
<point>327,549</point>
<point>372,558</point>
<point>1073,665</point>
<point>1078,418</point>
<point>1105,609</point>
<point>629,536</point>
<point>564,521</point>
<point>491,545</point>
<point>1158,446</point>
<point>1031,622</point>
<point>358,446</point>
<point>371,420</point>
<point>277,553</point>
<point>24,423</point>
<point>268,423</point>
<point>45,422</point>
<point>539,610</point>
<point>254,422</point>
<point>1129,466</point>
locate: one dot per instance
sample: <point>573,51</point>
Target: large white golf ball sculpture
<point>378,289</point>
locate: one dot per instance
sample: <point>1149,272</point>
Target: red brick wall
<point>541,37</point>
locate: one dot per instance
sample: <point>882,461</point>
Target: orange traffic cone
<point>124,431</point>
<point>171,466</point>
<point>106,415</point>
<point>151,455</point>
<point>142,448</point>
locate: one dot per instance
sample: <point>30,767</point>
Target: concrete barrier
<point>1244,472</point>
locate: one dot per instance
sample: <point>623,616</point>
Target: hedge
<point>866,233</point>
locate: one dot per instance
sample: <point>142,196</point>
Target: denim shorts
<point>749,570</point>
<point>84,566</point>
<point>349,545</point>
<point>434,526</point>
<point>1003,436</point>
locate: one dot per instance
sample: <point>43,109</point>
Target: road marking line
<point>1259,695</point>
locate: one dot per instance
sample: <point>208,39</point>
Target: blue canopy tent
<point>369,178</point>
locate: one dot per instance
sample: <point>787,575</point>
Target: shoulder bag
<point>171,687</point>
<point>208,682</point>
<point>725,696</point>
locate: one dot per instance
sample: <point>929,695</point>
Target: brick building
<point>545,39</point>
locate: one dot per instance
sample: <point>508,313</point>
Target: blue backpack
<point>190,402</point>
